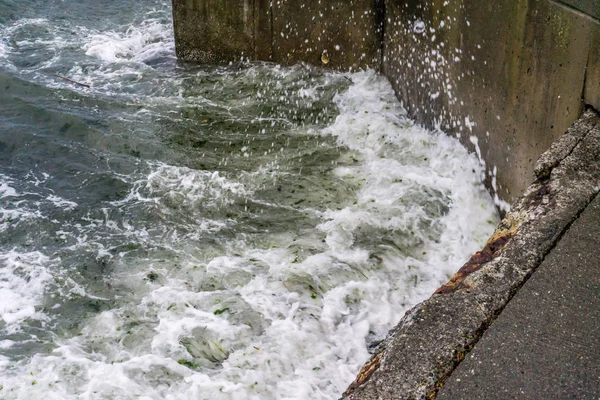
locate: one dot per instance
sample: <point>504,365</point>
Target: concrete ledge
<point>546,342</point>
<point>433,338</point>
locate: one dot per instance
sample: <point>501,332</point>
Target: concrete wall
<point>346,31</point>
<point>342,34</point>
<point>221,30</point>
<point>509,75</point>
<point>506,76</point>
<point>592,82</point>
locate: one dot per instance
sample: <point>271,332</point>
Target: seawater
<point>179,231</point>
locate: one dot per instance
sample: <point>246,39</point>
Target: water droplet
<point>419,26</point>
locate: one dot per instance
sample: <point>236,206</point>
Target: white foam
<point>121,55</point>
<point>402,159</point>
<point>23,279</point>
<point>138,43</point>
<point>280,316</point>
<point>3,50</point>
<point>26,22</point>
<point>61,203</point>
<point>6,190</point>
<point>184,186</point>
<point>17,212</point>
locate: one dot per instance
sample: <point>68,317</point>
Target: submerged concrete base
<point>432,339</point>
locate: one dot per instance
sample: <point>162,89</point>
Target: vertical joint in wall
<point>379,6</point>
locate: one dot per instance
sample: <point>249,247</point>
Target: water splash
<point>245,232</point>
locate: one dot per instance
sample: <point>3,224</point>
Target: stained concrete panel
<point>346,34</point>
<point>592,81</point>
<point>339,34</point>
<point>221,30</point>
<point>506,74</point>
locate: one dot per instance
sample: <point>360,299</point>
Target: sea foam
<point>271,315</point>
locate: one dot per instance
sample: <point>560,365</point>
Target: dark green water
<point>181,231</point>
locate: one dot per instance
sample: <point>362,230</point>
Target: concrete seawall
<point>508,77</point>
<point>339,34</point>
<point>514,74</point>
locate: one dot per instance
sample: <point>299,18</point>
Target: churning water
<point>197,232</point>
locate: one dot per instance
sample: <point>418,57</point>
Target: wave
<point>260,313</point>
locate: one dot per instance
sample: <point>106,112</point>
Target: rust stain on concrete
<point>505,231</point>
<point>365,373</point>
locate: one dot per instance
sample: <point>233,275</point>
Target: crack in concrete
<point>564,146</point>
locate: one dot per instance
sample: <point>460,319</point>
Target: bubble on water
<point>419,26</point>
<point>23,278</point>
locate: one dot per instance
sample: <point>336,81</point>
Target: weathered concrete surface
<point>546,342</point>
<point>347,32</point>
<point>341,34</point>
<point>221,30</point>
<point>433,338</point>
<point>510,73</point>
<point>592,81</point>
